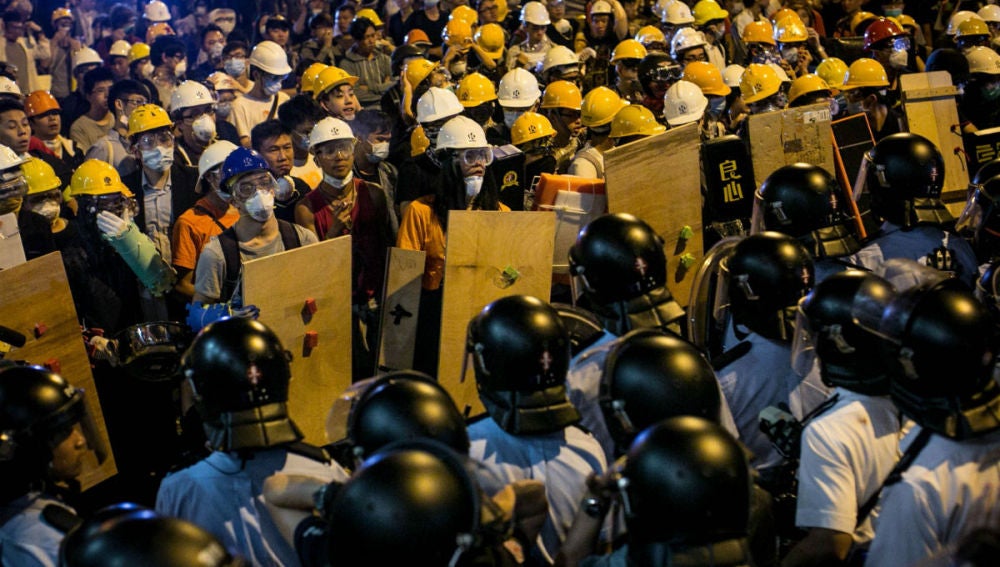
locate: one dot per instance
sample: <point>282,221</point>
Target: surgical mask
<point>790,54</point>
<point>235,67</point>
<point>380,151</point>
<point>898,59</point>
<point>181,68</point>
<point>892,12</point>
<point>222,109</point>
<point>716,106</point>
<point>285,188</point>
<point>159,159</point>
<point>123,120</point>
<point>204,128</point>
<point>272,86</point>
<point>458,68</point>
<point>146,70</point>
<point>260,207</point>
<point>338,183</point>
<point>430,3</point>
<point>216,50</point>
<point>48,209</point>
<point>473,185</point>
<point>834,107</point>
<point>224,196</point>
<point>510,116</point>
<point>226,26</point>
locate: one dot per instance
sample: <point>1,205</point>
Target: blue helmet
<point>240,161</point>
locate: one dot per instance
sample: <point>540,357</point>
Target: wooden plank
<point>658,179</point>
<point>400,308</point>
<point>481,246</point>
<point>937,120</point>
<point>280,285</point>
<point>37,292</point>
<point>791,136</point>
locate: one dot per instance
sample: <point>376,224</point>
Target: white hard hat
<point>219,13</point>
<point>989,13</point>
<point>329,129</point>
<point>956,20</point>
<point>9,87</point>
<point>157,11</point>
<point>601,7</point>
<point>983,60</point>
<point>535,13</point>
<point>677,13</point>
<point>119,48</point>
<point>270,57</point>
<point>85,56</point>
<point>9,159</point>
<point>780,72</point>
<point>684,103</point>
<point>214,155</point>
<point>731,75</point>
<point>660,7</point>
<point>559,55</point>
<point>461,132</point>
<point>685,38</point>
<point>188,94</point>
<point>518,89</point>
<point>437,104</point>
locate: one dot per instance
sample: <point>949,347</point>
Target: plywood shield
<point>491,254</point>
<point>790,136</point>
<point>400,308</point>
<point>658,179</point>
<point>929,106</point>
<point>305,294</point>
<point>35,301</point>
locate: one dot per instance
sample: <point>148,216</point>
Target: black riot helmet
<point>986,230</point>
<point>520,351</point>
<point>240,375</point>
<point>905,175</point>
<point>650,376</point>
<point>768,273</point>
<point>942,359</point>
<point>409,503</point>
<point>985,171</point>
<point>142,537</point>
<point>620,260</point>
<point>848,355</point>
<point>685,483</point>
<point>803,201</point>
<point>405,405</point>
<point>988,288</point>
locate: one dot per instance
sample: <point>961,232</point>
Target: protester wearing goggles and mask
<point>888,44</point>
<point>36,234</point>
<point>192,108</point>
<point>224,89</point>
<point>268,68</point>
<point>464,185</point>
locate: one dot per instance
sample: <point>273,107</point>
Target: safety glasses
<point>475,156</point>
<point>152,140</point>
<point>248,186</point>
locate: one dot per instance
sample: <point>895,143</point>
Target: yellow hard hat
<point>865,72</point>
<point>906,21</point>
<point>759,82</point>
<point>464,13</point>
<point>628,49</point>
<point>650,34</point>
<point>760,31</point>
<point>418,141</point>
<point>491,38</point>
<point>40,176</point>
<point>807,84</point>
<point>530,126</point>
<point>832,70</point>
<point>475,89</point>
<point>781,14</point>
<point>456,33</point>
<point>502,10</point>
<point>60,13</point>
<point>562,94</point>
<point>329,78</point>
<point>371,15</point>
<point>707,10</point>
<point>790,29</point>
<point>635,120</point>
<point>972,26</point>
<point>309,77</point>
<point>147,117</point>
<point>417,70</point>
<point>600,106</point>
<point>138,51</point>
<point>97,177</point>
<point>707,77</point>
<point>859,18</point>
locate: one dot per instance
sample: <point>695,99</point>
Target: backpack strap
<point>207,212</point>
<point>231,254</point>
<point>289,236</point>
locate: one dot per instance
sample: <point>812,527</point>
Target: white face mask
<point>473,185</point>
<point>216,50</point>
<point>380,151</point>
<point>146,70</point>
<point>260,207</point>
<point>226,26</point>
<point>159,159</point>
<point>510,116</point>
<point>338,183</point>
<point>48,209</point>
<point>235,67</point>
<point>181,68</point>
<point>272,86</point>
<point>204,128</point>
<point>790,54</point>
<point>285,188</point>
<point>898,59</point>
<point>222,109</point>
<point>458,68</point>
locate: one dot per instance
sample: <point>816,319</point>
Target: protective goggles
<point>13,185</point>
<point>115,203</point>
<point>152,140</point>
<point>475,156</point>
<point>246,187</point>
<point>336,148</point>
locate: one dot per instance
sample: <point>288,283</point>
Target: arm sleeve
<point>412,229</point>
<point>182,245</point>
<point>827,486</point>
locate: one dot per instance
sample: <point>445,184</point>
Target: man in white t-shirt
<point>268,68</point>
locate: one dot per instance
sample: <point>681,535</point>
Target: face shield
<point>13,188</point>
<point>75,412</point>
<point>976,207</point>
<point>123,206</point>
<point>338,418</point>
<point>803,343</point>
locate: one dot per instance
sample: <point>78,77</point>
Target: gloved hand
<point>247,312</point>
<point>104,349</point>
<point>587,53</point>
<point>942,259</point>
<point>110,224</point>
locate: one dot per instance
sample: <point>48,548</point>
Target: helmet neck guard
<point>530,413</point>
<point>254,428</point>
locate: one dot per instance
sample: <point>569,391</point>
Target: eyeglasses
<point>475,156</point>
<point>248,186</point>
<point>189,119</point>
<point>336,148</point>
<point>154,139</point>
<point>133,101</point>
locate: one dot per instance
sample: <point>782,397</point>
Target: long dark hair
<point>449,195</point>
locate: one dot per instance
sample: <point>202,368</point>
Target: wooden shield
<point>790,136</point>
<point>285,287</point>
<point>658,179</point>
<point>929,105</point>
<point>35,300</point>
<point>400,308</point>
<point>491,254</point>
